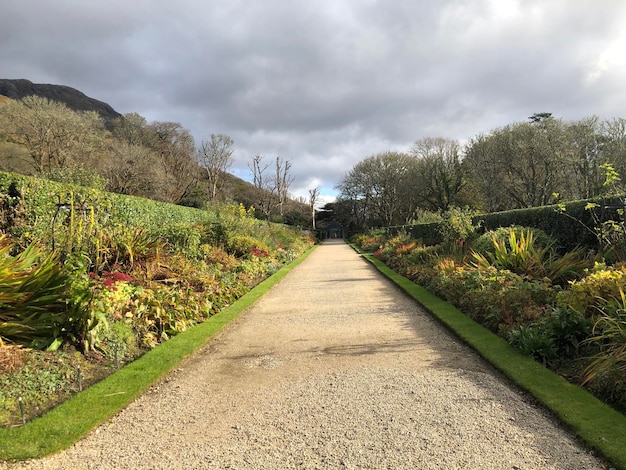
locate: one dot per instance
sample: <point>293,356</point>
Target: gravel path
<point>333,368</point>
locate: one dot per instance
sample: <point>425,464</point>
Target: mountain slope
<point>74,99</point>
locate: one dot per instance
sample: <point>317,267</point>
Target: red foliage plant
<point>258,252</point>
<point>109,278</point>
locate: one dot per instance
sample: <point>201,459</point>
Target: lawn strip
<point>601,427</point>
<point>73,419</point>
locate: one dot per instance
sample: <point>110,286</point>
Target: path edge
<point>72,420</point>
<point>600,427</point>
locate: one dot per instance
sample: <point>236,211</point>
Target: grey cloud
<point>326,84</point>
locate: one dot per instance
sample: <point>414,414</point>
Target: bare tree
<point>176,147</point>
<point>282,182</point>
<point>54,135</point>
<point>130,169</point>
<point>379,188</point>
<point>265,190</point>
<point>583,158</point>
<point>215,156</point>
<point>313,196</point>
<point>133,129</point>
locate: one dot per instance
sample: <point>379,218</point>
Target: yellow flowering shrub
<point>589,294</point>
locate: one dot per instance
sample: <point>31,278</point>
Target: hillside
<point>14,157</point>
<point>74,99</point>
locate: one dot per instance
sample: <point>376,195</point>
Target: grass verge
<point>598,425</point>
<point>73,419</point>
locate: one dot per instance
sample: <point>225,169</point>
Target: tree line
<point>526,164</point>
<point>129,155</point>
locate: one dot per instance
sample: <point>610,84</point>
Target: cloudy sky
<point>325,84</point>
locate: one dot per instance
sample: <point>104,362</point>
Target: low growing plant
<point>119,343</point>
<point>498,299</point>
<point>533,341</point>
<point>371,241</point>
<point>553,338</point>
<point>186,239</point>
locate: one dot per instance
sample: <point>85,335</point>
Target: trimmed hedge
<point>571,228</point>
<point>428,234</point>
<point>30,205</point>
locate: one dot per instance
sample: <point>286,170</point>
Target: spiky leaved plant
<point>523,256</point>
<point>609,334</point>
<point>33,289</point>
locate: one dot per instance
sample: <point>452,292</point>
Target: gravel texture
<point>333,368</point>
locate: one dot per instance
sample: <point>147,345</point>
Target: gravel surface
<point>333,368</point>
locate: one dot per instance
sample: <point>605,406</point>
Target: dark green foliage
<point>532,341</point>
<point>572,227</point>
<point>428,234</point>
<point>568,329</point>
<point>554,338</point>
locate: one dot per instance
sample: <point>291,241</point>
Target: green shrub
<point>568,329</point>
<point>186,239</point>
<point>163,311</point>
<point>423,255</point>
<point>498,299</point>
<point>240,245</point>
<point>458,226</point>
<point>119,343</point>
<point>554,338</point>
<point>123,245</point>
<point>533,341</point>
<point>396,246</point>
<point>590,295</point>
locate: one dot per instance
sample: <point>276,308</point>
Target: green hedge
<point>425,233</point>
<point>571,228</point>
<point>35,203</point>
